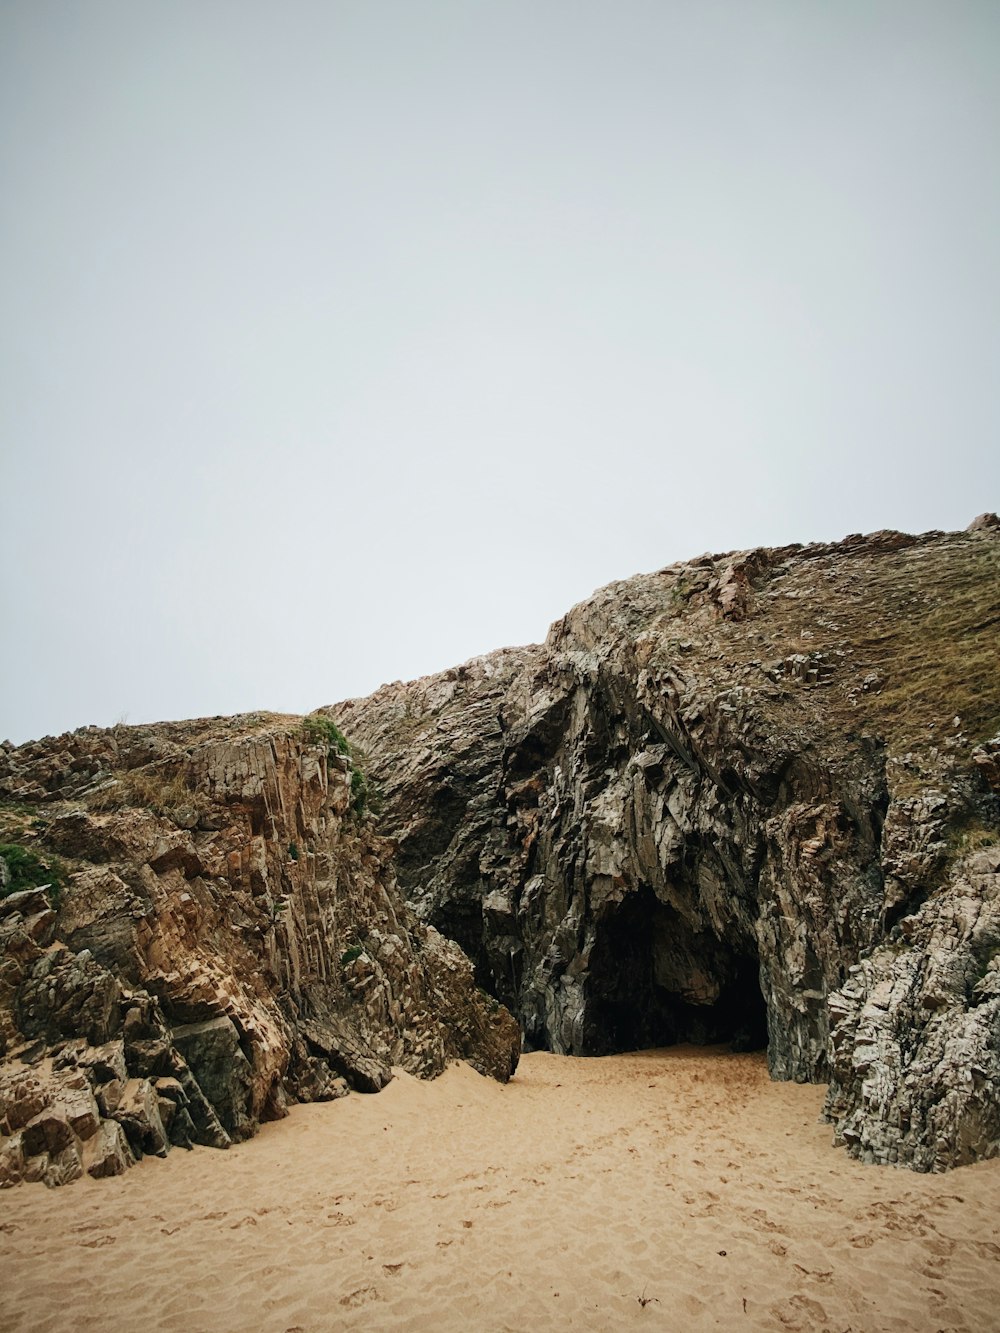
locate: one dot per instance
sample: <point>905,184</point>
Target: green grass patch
<point>21,868</point>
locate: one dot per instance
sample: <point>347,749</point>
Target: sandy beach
<point>672,1189</point>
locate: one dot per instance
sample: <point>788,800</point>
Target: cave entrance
<point>654,981</point>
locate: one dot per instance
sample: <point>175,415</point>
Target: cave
<point>654,981</point>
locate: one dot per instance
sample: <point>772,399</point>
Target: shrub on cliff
<point>21,868</point>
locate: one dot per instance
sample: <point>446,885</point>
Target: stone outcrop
<point>751,797</point>
<point>222,934</point>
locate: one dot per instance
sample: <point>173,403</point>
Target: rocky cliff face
<point>751,797</point>
<point>220,933</point>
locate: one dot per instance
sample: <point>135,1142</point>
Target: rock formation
<point>750,797</point>
<point>198,924</point>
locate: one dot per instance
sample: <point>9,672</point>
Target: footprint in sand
<point>361,1296</point>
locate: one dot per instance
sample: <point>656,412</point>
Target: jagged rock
<point>62,1167</point>
<point>103,1064</point>
<point>986,757</point>
<point>709,806</point>
<point>48,1131</point>
<point>214,1056</point>
<point>108,1151</point>
<point>22,1097</point>
<point>915,1074</point>
<point>108,1096</point>
<point>196,935</point>
<point>196,1121</point>
<point>81,1110</point>
<point>706,798</point>
<point>68,995</point>
<point>328,1035</point>
<point>12,1161</point>
<point>139,1115</point>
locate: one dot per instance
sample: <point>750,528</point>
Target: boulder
<point>214,1056</point>
<point>139,1115</point>
<point>108,1151</point>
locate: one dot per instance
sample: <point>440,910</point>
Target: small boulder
<point>49,1131</point>
<point>109,1152</point>
<point>139,1116</point>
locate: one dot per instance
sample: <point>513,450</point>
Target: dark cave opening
<point>654,981</point>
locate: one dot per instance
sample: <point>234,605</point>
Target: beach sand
<point>675,1189</point>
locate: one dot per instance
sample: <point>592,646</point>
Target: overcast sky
<point>340,342</point>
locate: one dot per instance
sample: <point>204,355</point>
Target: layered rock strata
<point>750,797</point>
<point>222,935</point>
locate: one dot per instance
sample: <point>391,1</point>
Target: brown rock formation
<point>222,933</point>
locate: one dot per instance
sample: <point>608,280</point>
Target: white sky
<point>342,341</point>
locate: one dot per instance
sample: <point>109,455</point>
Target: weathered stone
<point>48,1131</point>
<point>22,1096</point>
<point>332,1039</point>
<point>68,995</point>
<point>26,903</point>
<point>12,1161</point>
<point>138,1114</point>
<point>108,1152</point>
<point>185,919</point>
<point>640,834</point>
<point>63,1167</point>
<point>104,1063</point>
<point>201,1125</point>
<point>689,815</point>
<point>81,1111</point>
<point>213,1054</point>
<point>109,1095</point>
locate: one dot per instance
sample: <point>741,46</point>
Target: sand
<point>674,1189</point>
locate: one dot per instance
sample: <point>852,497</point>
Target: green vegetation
<point>324,731</point>
<point>365,796</point>
<point>293,851</point>
<point>21,869</point>
<point>350,955</point>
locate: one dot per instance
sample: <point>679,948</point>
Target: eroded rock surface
<point>223,934</point>
<point>735,800</point>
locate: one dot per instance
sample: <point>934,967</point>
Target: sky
<point>343,341</point>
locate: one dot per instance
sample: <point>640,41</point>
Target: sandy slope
<point>672,1189</point>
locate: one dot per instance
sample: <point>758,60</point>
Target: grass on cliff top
<point>921,625</point>
<point>148,788</point>
<point>942,660</point>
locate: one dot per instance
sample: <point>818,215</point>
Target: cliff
<point>750,797</point>
<point>198,925</point>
